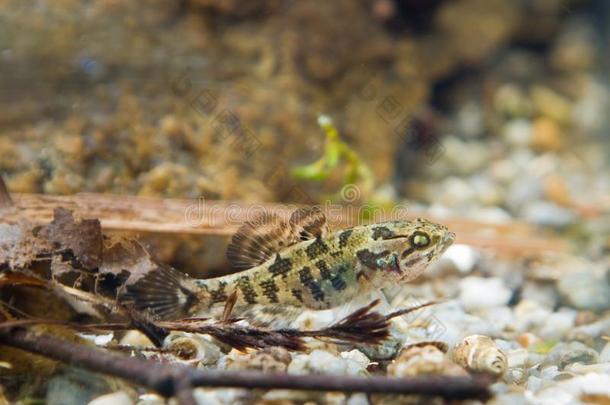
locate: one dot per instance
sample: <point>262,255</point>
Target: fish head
<point>405,248</point>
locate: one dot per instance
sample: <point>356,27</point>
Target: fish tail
<point>164,293</point>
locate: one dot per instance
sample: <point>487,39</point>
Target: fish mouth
<point>448,239</point>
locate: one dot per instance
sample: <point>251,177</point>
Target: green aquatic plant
<point>336,151</point>
<point>544,347</point>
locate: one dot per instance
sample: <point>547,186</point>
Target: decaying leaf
<point>20,247</point>
<point>125,260</point>
<point>82,238</point>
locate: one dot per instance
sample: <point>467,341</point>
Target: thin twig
<point>171,380</point>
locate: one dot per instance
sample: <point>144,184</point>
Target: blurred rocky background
<point>145,98</point>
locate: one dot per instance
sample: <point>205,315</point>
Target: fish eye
<point>420,240</point>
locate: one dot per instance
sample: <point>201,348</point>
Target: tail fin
<point>163,292</point>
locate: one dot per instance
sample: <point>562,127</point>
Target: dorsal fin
<point>309,223</point>
<point>258,241</point>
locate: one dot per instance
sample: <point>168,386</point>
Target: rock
<point>589,112</point>
<point>204,396</point>
<point>529,315</point>
<point>116,398</point>
<point>604,356</point>
<point>481,293</point>
<point>517,358</point>
<point>548,214</point>
<point>387,349</point>
<point>533,383</point>
<point>573,352</point>
<point>323,362</point>
<point>151,399</point>
<point>511,100</point>
<point>453,192</point>
<point>574,49</point>
<point>512,398</point>
<point>544,294</point>
<point>503,171</point>
<point>75,387</point>
<point>463,257</point>
<point>518,132</point>
<point>491,215</point>
<point>487,192</point>
<point>358,399</point>
<point>522,192</point>
<point>558,324</point>
<point>547,136</point>
<point>556,190</point>
<point>587,288</point>
<point>455,150</point>
<point>270,360</point>
<point>528,340</point>
<point>470,120</point>
<point>557,108</point>
<point>356,356</point>
<point>591,387</point>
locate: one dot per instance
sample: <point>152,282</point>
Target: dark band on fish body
<point>280,266</point>
<point>316,249</point>
<point>413,261</point>
<point>370,259</point>
<point>338,283</point>
<point>270,290</point>
<point>298,294</point>
<point>341,268</point>
<point>324,269</point>
<point>219,295</point>
<point>307,279</point>
<point>344,238</point>
<point>382,232</point>
<point>246,288</point>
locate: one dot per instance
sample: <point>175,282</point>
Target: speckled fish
<point>297,264</point>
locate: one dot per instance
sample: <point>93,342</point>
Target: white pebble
<point>116,398</point>
<point>463,257</point>
<point>558,324</point>
<point>517,358</point>
<point>479,292</point>
<point>571,391</point>
<point>604,356</point>
<point>518,132</point>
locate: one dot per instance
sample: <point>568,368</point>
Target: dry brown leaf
<point>82,238</point>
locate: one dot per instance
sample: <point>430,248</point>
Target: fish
<point>289,265</point>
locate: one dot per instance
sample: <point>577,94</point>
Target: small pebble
<point>116,398</point>
<point>479,292</point>
<point>548,214</point>
<point>587,289</point>
<point>573,352</point>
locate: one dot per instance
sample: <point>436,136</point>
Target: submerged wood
<point>215,217</point>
